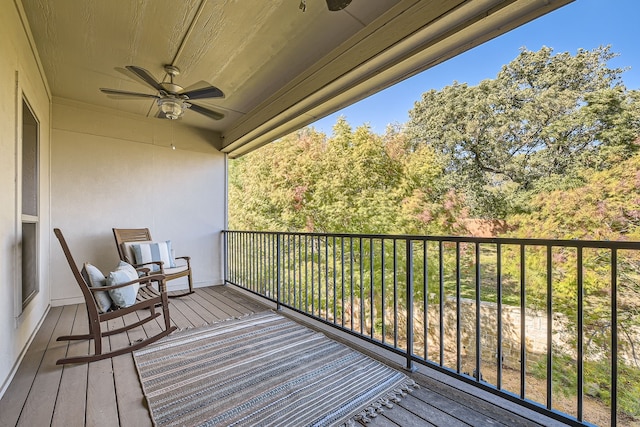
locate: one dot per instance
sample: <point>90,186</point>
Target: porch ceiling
<point>280,68</point>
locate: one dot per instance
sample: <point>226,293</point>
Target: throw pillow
<point>125,296</point>
<point>154,251</point>
<point>95,279</point>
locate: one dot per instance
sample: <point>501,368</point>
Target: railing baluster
<point>371,287</point>
<point>425,298</point>
<point>361,287</point>
<point>335,273</point>
<point>383,303</point>
<point>252,254</point>
<point>580,373</point>
<point>290,253</point>
<point>351,255</point>
<point>614,337</point>
<point>342,279</point>
<point>409,288</point>
<point>261,262</point>
<point>326,279</point>
<point>319,278</point>
<point>297,265</point>
<point>234,260</point>
<point>303,282</point>
<point>478,372</point>
<point>549,328</point>
<point>242,260</point>
<point>441,279</point>
<point>276,264</point>
<point>458,313</point>
<point>499,298</point>
<point>312,276</point>
<point>523,324</point>
<point>225,248</point>
<point>395,292</point>
<point>278,272</point>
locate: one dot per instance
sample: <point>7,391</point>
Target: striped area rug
<point>263,370</point>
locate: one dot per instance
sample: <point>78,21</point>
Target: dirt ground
<point>595,412</point>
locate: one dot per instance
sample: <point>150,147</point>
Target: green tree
<point>352,182</point>
<point>542,119</point>
<point>268,188</point>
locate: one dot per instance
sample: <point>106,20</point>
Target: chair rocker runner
<point>147,299</point>
<point>127,238</point>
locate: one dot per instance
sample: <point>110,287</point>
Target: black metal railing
<point>531,320</point>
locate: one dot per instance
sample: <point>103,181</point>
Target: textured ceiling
<point>279,67</point>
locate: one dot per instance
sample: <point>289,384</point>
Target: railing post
<point>278,272</point>
<point>225,253</point>
<point>409,248</point>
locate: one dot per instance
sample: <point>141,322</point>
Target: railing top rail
<point>597,244</point>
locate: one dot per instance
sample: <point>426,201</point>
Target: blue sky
<point>583,24</point>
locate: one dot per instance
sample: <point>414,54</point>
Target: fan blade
<point>130,75</point>
<point>205,92</point>
<point>161,114</point>
<point>124,93</point>
<point>206,112</point>
<point>145,75</point>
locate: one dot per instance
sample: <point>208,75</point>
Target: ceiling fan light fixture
<point>171,107</point>
<point>335,5</point>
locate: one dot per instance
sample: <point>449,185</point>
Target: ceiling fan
<point>172,99</point>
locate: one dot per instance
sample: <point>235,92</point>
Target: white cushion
<point>154,251</point>
<point>129,255</point>
<point>94,278</point>
<point>125,296</point>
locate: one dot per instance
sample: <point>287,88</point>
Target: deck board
<point>190,314</point>
<point>70,403</point>
<point>108,392</point>
<point>18,391</point>
<point>428,410</point>
<point>127,385</point>
<point>101,403</point>
<point>38,411</point>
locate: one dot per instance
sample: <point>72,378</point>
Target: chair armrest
<point>139,266</point>
<point>141,280</point>
<point>143,270</point>
<point>187,259</point>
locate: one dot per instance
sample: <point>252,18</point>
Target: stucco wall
<point>98,169</point>
<point>19,76</point>
<point>111,169</point>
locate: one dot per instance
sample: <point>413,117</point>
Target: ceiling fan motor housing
<point>171,88</point>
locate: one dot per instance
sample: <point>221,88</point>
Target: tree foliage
<point>467,151</point>
<point>540,121</point>
<point>355,181</point>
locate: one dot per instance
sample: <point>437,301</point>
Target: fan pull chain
<point>303,5</point>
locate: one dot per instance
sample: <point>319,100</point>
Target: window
<point>29,192</point>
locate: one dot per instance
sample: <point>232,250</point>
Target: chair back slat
<point>84,286</point>
<point>125,235</point>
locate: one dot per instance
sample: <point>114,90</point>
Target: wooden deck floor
<point>108,393</point>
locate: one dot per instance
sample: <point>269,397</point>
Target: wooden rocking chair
<point>127,237</point>
<point>147,299</point>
